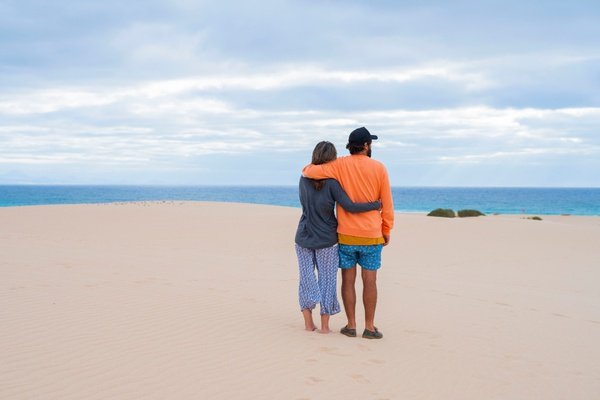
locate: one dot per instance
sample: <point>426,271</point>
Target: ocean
<point>542,201</point>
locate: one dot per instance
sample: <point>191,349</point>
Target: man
<point>361,236</point>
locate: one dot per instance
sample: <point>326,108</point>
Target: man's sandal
<point>367,334</point>
<point>350,332</point>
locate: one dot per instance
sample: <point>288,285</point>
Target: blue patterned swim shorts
<point>368,257</point>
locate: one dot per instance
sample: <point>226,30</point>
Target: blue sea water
<point>543,201</point>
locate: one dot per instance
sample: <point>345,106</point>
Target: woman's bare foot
<point>325,324</point>
<point>309,324</point>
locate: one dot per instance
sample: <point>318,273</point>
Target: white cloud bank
<point>170,123</point>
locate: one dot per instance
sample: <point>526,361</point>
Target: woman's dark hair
<point>323,153</point>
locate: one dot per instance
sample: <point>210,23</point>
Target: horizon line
<point>293,185</point>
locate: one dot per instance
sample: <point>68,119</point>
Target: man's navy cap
<point>361,136</point>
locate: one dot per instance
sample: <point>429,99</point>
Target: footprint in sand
<point>327,349</point>
<point>363,347</point>
<point>313,380</point>
<point>332,351</point>
<point>415,332</point>
<point>359,378</point>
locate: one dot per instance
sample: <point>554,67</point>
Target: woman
<point>316,240</point>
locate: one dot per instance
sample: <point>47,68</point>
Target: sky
<point>461,93</point>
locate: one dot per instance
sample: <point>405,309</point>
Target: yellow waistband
<point>359,241</point>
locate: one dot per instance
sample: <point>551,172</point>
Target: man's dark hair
<point>356,148</point>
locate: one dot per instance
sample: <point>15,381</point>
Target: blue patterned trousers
<point>322,287</point>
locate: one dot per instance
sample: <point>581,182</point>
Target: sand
<point>189,300</point>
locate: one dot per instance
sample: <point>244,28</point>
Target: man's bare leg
<point>349,295</point>
<point>309,324</point>
<point>325,324</point>
<point>369,279</point>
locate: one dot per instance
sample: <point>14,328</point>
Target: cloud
<point>173,86</point>
<point>54,99</point>
<point>199,129</point>
<point>527,152</point>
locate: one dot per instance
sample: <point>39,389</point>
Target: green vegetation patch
<point>442,212</point>
<point>470,213</point>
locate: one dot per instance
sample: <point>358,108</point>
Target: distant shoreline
<point>149,203</point>
<point>520,201</point>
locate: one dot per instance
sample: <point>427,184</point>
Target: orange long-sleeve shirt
<point>364,180</point>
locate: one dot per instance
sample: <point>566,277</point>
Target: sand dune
<point>185,300</point>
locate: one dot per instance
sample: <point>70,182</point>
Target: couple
<point>365,213</point>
